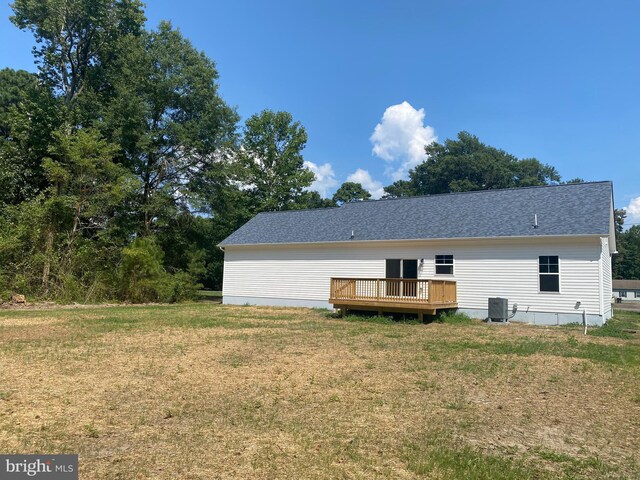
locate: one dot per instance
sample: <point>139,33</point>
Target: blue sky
<point>558,81</point>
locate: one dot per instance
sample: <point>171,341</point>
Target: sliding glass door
<point>398,270</point>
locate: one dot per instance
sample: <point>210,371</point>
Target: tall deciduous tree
<point>117,128</point>
<point>28,115</point>
<point>468,164</point>
<point>619,215</point>
<point>271,161</point>
<point>76,39</point>
<point>13,90</point>
<point>626,263</point>
<point>77,43</point>
<point>168,117</point>
<point>313,199</point>
<point>350,192</point>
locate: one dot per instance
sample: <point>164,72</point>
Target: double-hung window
<point>444,264</point>
<point>549,272</point>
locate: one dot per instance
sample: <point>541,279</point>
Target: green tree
<point>271,162</point>
<point>13,90</point>
<point>619,264</point>
<point>76,39</point>
<point>88,185</point>
<point>143,277</point>
<point>626,263</point>
<point>265,173</point>
<point>57,244</point>
<point>113,140</point>
<point>189,245</point>
<point>619,215</point>
<point>170,121</point>
<point>313,199</point>
<point>400,188</point>
<point>350,192</point>
<point>467,164</point>
<point>77,42</point>
<point>87,188</point>
<point>29,114</point>
<point>574,180</point>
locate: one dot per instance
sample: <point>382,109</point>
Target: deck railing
<point>397,290</point>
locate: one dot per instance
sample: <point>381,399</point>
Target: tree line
<point>626,263</point>
<point>122,167</point>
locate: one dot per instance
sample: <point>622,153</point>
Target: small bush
<point>184,287</point>
<point>69,289</point>
<point>144,279</point>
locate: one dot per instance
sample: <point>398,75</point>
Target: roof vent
<point>352,234</point>
<point>535,220</point>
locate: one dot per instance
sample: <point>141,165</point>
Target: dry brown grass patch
<point>242,392</point>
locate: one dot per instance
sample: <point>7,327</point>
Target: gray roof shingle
<point>575,209</point>
<point>626,284</point>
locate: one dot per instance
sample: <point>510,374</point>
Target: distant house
<point>547,249</point>
<point>627,290</point>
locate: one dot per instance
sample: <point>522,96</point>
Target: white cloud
<point>325,177</point>
<point>633,210</point>
<point>400,138</point>
<point>364,178</point>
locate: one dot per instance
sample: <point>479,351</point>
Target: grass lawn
<point>210,294</point>
<point>210,391</point>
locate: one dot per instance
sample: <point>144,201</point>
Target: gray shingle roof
<point>576,209</point>
<point>626,284</point>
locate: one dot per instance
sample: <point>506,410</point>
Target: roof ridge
<point>438,195</point>
<point>482,191</point>
<point>314,209</point>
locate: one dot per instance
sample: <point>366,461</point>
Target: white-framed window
<point>444,264</point>
<point>549,273</point>
<point>623,294</point>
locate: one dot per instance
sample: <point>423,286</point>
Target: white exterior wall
<point>299,275</point>
<point>607,290</point>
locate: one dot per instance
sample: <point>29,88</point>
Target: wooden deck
<point>393,294</point>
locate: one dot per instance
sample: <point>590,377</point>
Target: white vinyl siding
<point>484,268</point>
<point>607,291</point>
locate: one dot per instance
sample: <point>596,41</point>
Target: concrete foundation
<point>535,318</point>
